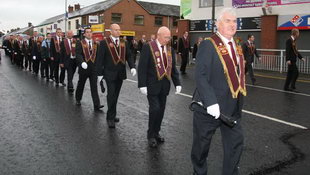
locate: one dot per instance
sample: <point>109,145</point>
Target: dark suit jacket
<point>211,83</point>
<point>54,53</point>
<point>36,51</point>
<point>80,58</point>
<point>248,55</point>
<point>64,57</point>
<point>291,55</point>
<point>181,46</point>
<point>147,74</point>
<point>18,49</point>
<point>46,52</point>
<point>107,68</point>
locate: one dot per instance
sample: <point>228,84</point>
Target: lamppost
<point>213,16</point>
<point>66,16</point>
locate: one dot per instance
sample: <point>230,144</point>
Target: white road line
<point>278,90</point>
<point>249,112</point>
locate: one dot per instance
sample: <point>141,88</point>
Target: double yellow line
<point>280,78</point>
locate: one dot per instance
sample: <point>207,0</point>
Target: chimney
<point>76,7</point>
<point>70,9</point>
<point>29,24</point>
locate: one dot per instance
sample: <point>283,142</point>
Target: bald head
<point>70,34</point>
<point>115,30</point>
<point>163,35</point>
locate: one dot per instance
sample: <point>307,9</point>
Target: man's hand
<point>214,110</point>
<point>52,58</point>
<point>143,90</point>
<point>133,71</point>
<point>178,89</point>
<point>34,57</point>
<point>288,62</point>
<point>84,65</point>
<point>100,78</point>
<point>303,59</point>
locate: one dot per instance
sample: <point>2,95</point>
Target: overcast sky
<point>17,13</point>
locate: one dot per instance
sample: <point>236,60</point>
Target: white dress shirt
<point>226,41</point>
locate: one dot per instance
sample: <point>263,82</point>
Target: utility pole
<point>213,16</point>
<point>66,16</point>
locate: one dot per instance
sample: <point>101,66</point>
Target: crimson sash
<point>69,49</point>
<point>57,44</point>
<point>161,70</point>
<point>118,56</point>
<point>236,82</point>
<point>87,55</point>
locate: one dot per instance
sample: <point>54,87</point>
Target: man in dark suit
<point>184,49</point>
<point>18,51</point>
<point>291,57</point>
<point>37,55</point>
<point>141,42</point>
<point>46,57</point>
<point>86,57</point>
<point>27,54</point>
<point>220,88</point>
<point>55,58</point>
<point>68,58</point>
<point>249,51</point>
<point>157,66</point>
<point>32,41</point>
<point>113,54</point>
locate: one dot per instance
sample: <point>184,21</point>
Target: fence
<point>275,60</point>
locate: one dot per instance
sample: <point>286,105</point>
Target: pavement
<point>42,131</point>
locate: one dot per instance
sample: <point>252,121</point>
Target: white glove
<point>133,71</point>
<point>143,90</point>
<point>15,53</point>
<point>34,57</point>
<point>84,65</point>
<point>178,89</point>
<point>214,110</point>
<point>100,78</point>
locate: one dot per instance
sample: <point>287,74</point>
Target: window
<point>208,3</point>
<point>175,21</point>
<point>84,20</point>
<point>139,19</point>
<point>101,19</point>
<point>77,25</point>
<point>116,18</point>
<point>158,21</point>
<point>55,26</point>
<point>42,30</point>
<point>69,25</point>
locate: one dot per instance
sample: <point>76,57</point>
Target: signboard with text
<point>259,3</point>
<point>299,21</point>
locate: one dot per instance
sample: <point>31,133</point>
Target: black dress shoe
<point>57,84</point>
<point>63,84</point>
<point>100,106</point>
<point>293,87</point>
<point>116,120</point>
<point>111,123</point>
<point>78,103</point>
<point>96,109</point>
<point>152,142</point>
<point>160,139</point>
<point>288,89</point>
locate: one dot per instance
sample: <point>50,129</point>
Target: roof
<point>20,31</point>
<point>51,20</point>
<point>100,6</point>
<point>160,9</point>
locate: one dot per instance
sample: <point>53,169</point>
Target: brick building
<point>135,18</point>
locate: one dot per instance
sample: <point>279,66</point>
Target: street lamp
<point>213,16</point>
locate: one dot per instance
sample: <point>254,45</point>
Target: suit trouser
<point>249,68</point>
<point>55,70</point>
<point>36,66</point>
<point>157,105</point>
<point>62,74</point>
<point>292,75</point>
<point>46,65</point>
<point>114,88</point>
<point>28,62</point>
<point>184,56</point>
<point>70,72</point>
<point>83,76</point>
<point>204,127</point>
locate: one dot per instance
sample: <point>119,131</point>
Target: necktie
<point>234,55</point>
<point>164,56</point>
<point>116,43</point>
<point>89,47</point>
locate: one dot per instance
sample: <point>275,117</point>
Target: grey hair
<point>229,10</point>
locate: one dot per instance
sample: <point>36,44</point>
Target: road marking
<point>280,78</point>
<point>278,90</point>
<point>251,113</point>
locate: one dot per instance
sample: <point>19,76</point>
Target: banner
<point>97,28</point>
<point>288,22</point>
<point>128,33</point>
<point>258,3</point>
<point>186,8</point>
<point>93,19</point>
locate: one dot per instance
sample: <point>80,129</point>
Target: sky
<point>17,13</point>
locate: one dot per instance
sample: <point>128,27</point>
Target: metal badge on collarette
<point>157,54</point>
<point>73,45</point>
<point>222,49</point>
<point>158,60</point>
